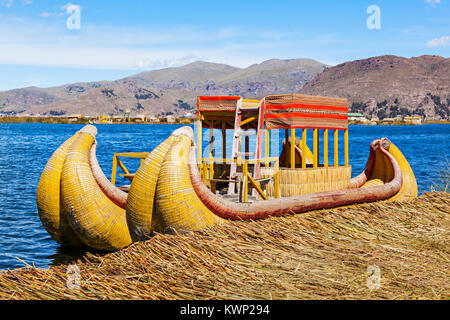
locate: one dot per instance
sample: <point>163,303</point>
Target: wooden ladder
<point>238,133</point>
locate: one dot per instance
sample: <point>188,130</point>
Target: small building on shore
<point>171,119</point>
<point>188,115</point>
<point>357,117</point>
<point>118,119</point>
<point>388,120</point>
<point>413,120</point>
<point>140,118</point>
<point>104,119</point>
<point>74,117</point>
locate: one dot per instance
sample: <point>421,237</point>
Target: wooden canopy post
<point>325,148</point>
<point>276,181</point>
<point>247,143</point>
<point>267,148</point>
<point>211,139</point>
<point>286,139</point>
<point>245,181</point>
<point>259,137</point>
<point>199,140</point>
<point>224,145</point>
<point>346,148</point>
<point>316,148</point>
<point>211,151</point>
<point>292,149</point>
<point>304,137</point>
<point>336,148</point>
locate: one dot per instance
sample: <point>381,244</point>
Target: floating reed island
<point>318,255</point>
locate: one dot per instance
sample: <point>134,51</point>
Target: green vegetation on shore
<point>442,184</point>
<point>327,254</point>
<point>39,120</point>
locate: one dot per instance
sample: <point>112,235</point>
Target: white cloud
<point>433,2</point>
<point>9,3</point>
<point>438,42</point>
<point>166,63</point>
<point>65,8</point>
<point>69,5</point>
<point>46,14</point>
<point>47,42</point>
<point>6,3</point>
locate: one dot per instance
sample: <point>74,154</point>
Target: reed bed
<point>442,182</point>
<point>318,255</point>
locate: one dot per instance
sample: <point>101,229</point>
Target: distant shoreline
<point>397,123</point>
<point>62,120</point>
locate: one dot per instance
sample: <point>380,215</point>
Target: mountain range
<point>161,92</point>
<point>388,86</point>
<point>384,86</point>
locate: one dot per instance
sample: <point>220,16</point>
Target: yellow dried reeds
<point>327,254</point>
<point>297,182</point>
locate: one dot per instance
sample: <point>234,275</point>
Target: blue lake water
<point>26,148</point>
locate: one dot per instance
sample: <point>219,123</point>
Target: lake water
<point>26,148</point>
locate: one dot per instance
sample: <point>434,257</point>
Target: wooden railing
<point>246,180</point>
<point>118,163</point>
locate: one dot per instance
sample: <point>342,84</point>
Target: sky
<point>48,43</point>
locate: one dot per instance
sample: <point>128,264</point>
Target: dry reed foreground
<point>318,255</point>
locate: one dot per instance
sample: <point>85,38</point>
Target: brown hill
<point>388,86</point>
<point>165,91</point>
<point>384,87</point>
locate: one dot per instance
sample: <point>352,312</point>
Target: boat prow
<point>383,173</point>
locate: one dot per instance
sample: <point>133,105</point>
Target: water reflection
<point>64,255</point>
<point>67,256</point>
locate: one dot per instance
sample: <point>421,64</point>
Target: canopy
<point>283,111</point>
<point>302,111</point>
<point>221,103</point>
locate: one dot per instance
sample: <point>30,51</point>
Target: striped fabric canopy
<point>221,103</point>
<point>302,111</point>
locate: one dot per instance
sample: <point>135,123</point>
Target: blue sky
<point>120,38</point>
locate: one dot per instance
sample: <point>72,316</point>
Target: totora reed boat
<point>181,186</point>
